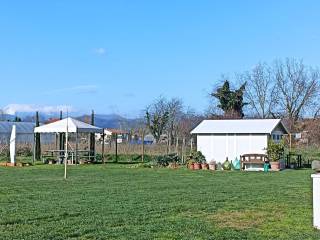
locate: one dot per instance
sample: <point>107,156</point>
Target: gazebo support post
<point>116,142</point>
<point>66,153</point>
<point>34,148</point>
<point>77,143</point>
<point>102,150</point>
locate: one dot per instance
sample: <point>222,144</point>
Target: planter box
<point>275,166</point>
<point>204,166</point>
<point>197,166</point>
<point>191,166</point>
<point>11,164</point>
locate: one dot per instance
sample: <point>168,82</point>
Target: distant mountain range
<point>110,121</point>
<point>101,120</point>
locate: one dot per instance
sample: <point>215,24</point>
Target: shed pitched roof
<point>241,126</point>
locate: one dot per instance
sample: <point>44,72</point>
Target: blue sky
<point>118,56</point>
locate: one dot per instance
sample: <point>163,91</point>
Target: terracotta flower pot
<point>11,164</point>
<point>212,166</point>
<point>275,166</point>
<point>204,166</point>
<point>197,166</point>
<point>191,166</point>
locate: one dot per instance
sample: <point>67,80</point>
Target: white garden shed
<point>221,139</point>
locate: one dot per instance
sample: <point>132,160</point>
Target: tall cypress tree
<point>37,139</point>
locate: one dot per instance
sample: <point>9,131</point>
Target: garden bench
<point>253,161</point>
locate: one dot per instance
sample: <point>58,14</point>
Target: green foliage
<point>124,158</point>
<point>275,150</point>
<point>231,102</point>
<point>113,201</point>
<point>196,157</point>
<point>163,161</point>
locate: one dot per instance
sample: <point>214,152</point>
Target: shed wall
<point>218,147</point>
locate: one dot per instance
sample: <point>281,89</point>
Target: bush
<point>124,158</point>
<point>196,157</point>
<point>275,150</point>
<point>164,161</point>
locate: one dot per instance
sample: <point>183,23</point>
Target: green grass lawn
<point>117,202</point>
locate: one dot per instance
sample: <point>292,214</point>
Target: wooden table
<point>59,155</point>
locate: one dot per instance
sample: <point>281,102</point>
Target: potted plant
<point>275,152</point>
<point>197,159</point>
<point>204,166</point>
<point>190,164</point>
<point>212,165</point>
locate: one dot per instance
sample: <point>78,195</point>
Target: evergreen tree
<point>231,102</point>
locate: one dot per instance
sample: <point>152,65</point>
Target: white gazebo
<point>68,125</point>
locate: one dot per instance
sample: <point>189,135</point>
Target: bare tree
<point>298,87</point>
<point>157,117</point>
<point>261,91</point>
<point>175,110</point>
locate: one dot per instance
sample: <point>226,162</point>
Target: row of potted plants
<point>196,161</point>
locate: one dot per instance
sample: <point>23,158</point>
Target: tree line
<point>286,89</point>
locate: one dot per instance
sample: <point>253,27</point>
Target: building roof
<point>241,126</point>
<point>116,131</point>
<point>68,124</point>
<point>21,127</point>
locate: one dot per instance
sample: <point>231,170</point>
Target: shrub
<point>163,161</point>
<point>124,158</point>
<point>196,157</point>
<point>275,150</point>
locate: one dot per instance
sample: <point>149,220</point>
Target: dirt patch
<point>239,220</point>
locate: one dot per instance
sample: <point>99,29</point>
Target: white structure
<point>316,200</point>
<point>13,145</point>
<point>221,139</point>
<point>73,126</point>
<point>68,126</point>
<point>24,133</point>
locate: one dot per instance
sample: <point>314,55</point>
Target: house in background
<point>122,136</point>
<point>221,139</point>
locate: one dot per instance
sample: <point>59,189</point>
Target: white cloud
<point>22,108</point>
<point>100,51</point>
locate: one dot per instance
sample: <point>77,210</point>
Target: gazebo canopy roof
<point>70,124</point>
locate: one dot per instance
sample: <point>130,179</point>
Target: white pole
<point>13,146</point>
<point>316,200</point>
<point>66,151</point>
